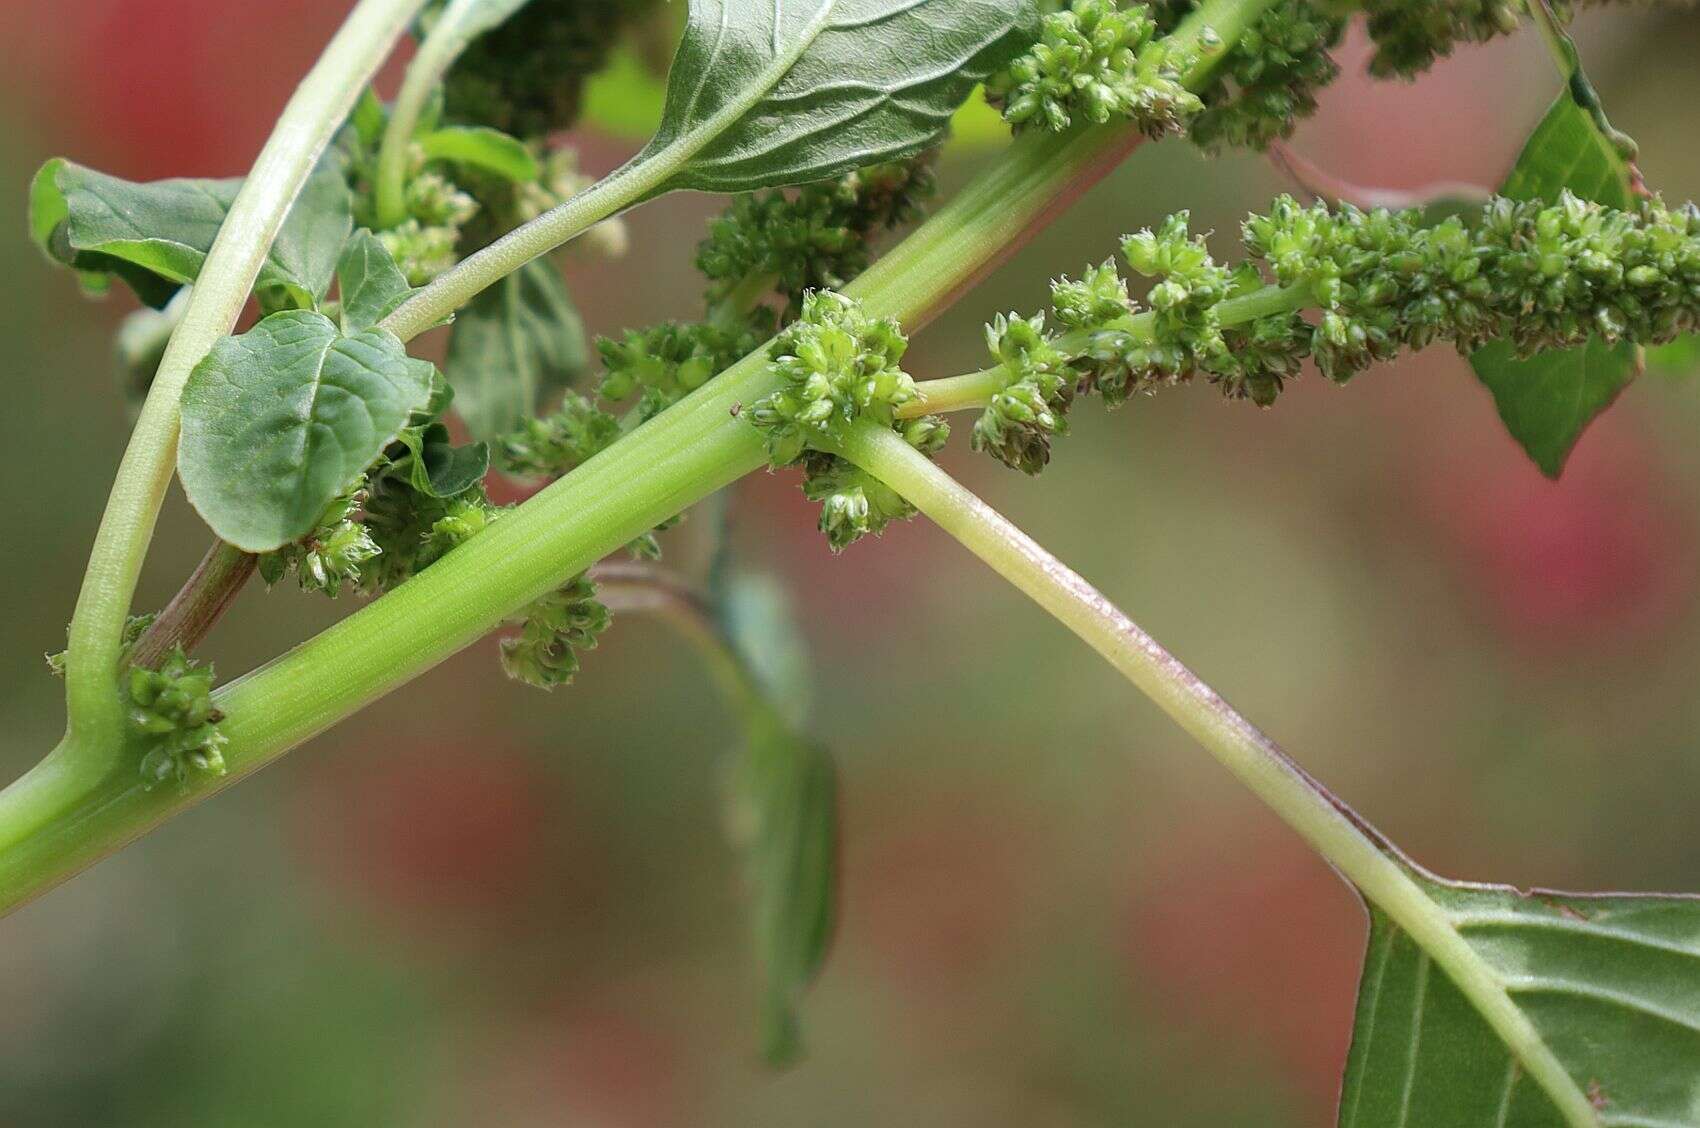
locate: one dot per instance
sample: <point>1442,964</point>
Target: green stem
<point>975,389</point>
<point>662,468</point>
<point>734,306</point>
<point>1250,755</point>
<point>436,54</point>
<point>659,470</point>
<point>305,127</point>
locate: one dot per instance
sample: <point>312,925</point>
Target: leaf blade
<point>512,346</point>
<point>764,94</point>
<point>1547,400</point>
<point>369,282</point>
<point>281,420</point>
<point>155,235</point>
<point>1611,983</point>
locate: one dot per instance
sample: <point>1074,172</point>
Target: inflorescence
<point>815,237</point>
<point>840,367</point>
<point>1535,275</point>
<point>172,713</point>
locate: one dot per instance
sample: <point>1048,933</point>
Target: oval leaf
<point>1548,399</point>
<point>1611,984</point>
<point>512,346</point>
<point>281,420</point>
<point>155,236</point>
<point>769,92</point>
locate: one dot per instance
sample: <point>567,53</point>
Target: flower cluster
<point>813,237</point>
<point>1096,61</point>
<point>425,244</point>
<point>552,632</point>
<point>556,443</point>
<point>1017,425</point>
<point>526,76</point>
<point>1267,81</point>
<point>1539,276</point>
<point>413,530</point>
<point>664,363</point>
<point>1409,35</point>
<point>332,554</point>
<point>171,712</point>
<point>840,366</point>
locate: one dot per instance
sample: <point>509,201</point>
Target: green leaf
<point>758,621</point>
<point>1610,983</point>
<point>787,796</point>
<point>784,802</point>
<point>625,98</point>
<point>155,236</point>
<point>512,346</point>
<point>279,421</point>
<point>767,92</point>
<point>1548,399</point>
<point>438,468</point>
<point>369,283</point>
<point>1680,357</point>
<point>489,150</point>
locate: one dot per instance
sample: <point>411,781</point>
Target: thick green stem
<point>1250,755</point>
<point>662,468</point>
<point>312,116</point>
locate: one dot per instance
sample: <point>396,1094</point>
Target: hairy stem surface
<point>1238,745</point>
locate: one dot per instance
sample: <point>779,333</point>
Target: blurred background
<point>476,904</point>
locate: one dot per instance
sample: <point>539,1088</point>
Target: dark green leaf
<point>1548,399</point>
<point>1611,984</point>
<point>279,421</point>
<point>767,92</point>
<point>512,346</point>
<point>788,797</point>
<point>489,150</point>
<point>155,236</point>
<point>369,282</point>
<point>438,468</point>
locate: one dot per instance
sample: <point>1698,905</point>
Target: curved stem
<point>305,127</point>
<point>1250,755</point>
<point>199,604</point>
<point>436,54</point>
<point>660,469</point>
